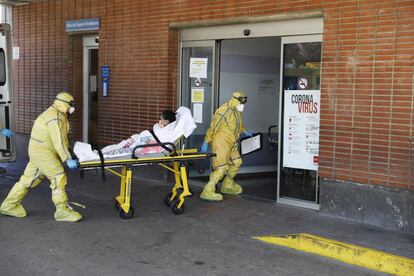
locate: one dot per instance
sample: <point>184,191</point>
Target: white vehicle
<point>7,146</point>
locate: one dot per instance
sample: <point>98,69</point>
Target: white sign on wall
<point>16,53</point>
<point>301,129</point>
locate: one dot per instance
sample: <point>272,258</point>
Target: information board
<point>87,24</point>
<point>301,129</point>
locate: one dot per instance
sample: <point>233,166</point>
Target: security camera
<point>97,39</point>
<point>246,32</point>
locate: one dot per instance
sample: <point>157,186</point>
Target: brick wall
<point>367,76</point>
<point>367,92</point>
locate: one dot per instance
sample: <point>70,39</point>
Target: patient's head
<point>167,117</point>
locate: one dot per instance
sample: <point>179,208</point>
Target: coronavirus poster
<point>301,129</point>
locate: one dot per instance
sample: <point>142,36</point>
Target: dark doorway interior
<point>93,96</point>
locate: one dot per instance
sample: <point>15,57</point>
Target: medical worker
<point>223,134</point>
<point>48,149</point>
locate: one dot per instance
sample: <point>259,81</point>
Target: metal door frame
<point>88,44</point>
<point>291,201</point>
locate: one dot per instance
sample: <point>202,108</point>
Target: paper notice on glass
<point>301,129</point>
<point>198,112</point>
<point>198,68</point>
<point>197,95</point>
<point>251,144</point>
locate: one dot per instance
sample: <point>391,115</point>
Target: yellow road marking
<point>345,252</point>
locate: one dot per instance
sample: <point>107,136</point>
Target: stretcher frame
<point>174,199</point>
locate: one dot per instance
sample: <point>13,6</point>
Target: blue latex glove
<point>204,147</point>
<point>7,132</point>
<point>72,164</point>
<point>248,133</point>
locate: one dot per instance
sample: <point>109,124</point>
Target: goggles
<point>242,100</point>
<point>71,103</point>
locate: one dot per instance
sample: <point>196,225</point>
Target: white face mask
<point>71,110</point>
<point>240,107</point>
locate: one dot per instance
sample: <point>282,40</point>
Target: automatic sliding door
<point>197,93</point>
<point>299,156</point>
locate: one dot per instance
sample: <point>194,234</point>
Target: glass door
<point>198,93</point>
<point>300,109</point>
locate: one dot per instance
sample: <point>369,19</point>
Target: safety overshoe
<point>230,187</point>
<point>14,211</point>
<point>67,214</point>
<point>209,193</point>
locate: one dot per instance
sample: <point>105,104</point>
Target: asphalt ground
<point>208,239</point>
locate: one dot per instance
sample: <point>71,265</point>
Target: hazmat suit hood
<point>234,102</point>
<point>63,102</point>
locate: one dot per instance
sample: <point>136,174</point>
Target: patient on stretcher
<point>170,128</point>
<point>167,119</point>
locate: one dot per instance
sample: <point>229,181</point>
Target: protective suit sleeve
<point>56,135</point>
<point>213,127</point>
<point>242,128</point>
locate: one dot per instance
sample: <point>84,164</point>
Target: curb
<point>345,252</point>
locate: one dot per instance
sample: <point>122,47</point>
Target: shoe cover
<point>14,211</point>
<point>67,214</point>
<point>11,205</point>
<point>209,191</point>
<point>209,194</point>
<point>230,187</point>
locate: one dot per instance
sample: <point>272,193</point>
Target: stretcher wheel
<point>177,211</point>
<point>128,215</point>
<point>179,191</point>
<point>167,200</point>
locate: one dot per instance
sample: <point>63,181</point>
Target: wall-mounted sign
<point>16,53</point>
<point>105,75</point>
<point>88,24</point>
<point>301,129</point>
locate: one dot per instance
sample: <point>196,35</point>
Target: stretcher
<point>174,199</point>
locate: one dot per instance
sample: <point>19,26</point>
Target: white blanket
<point>183,126</point>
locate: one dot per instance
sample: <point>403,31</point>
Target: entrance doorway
<point>90,90</point>
<point>262,66</point>
<point>252,65</point>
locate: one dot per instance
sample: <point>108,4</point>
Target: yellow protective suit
<point>223,133</point>
<point>48,148</point>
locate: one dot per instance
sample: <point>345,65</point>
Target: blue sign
<point>82,25</point>
<point>105,75</point>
